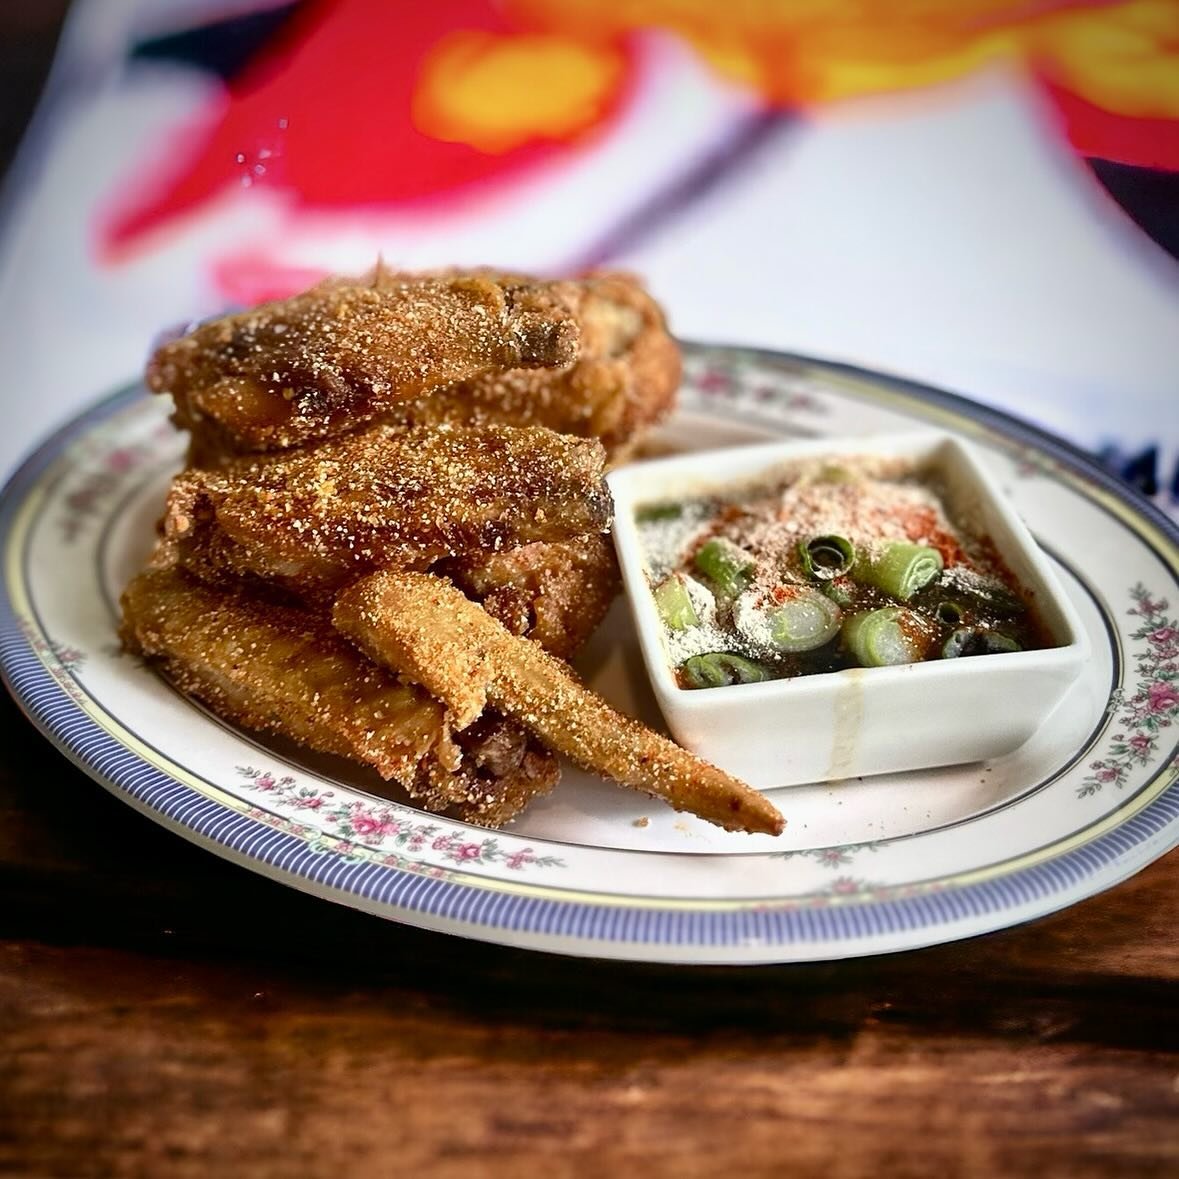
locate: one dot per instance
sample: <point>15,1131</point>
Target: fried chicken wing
<point>281,669</point>
<point>625,378</point>
<point>554,592</point>
<point>425,629</point>
<point>330,360</point>
<point>347,439</point>
<point>312,518</point>
<point>284,670</point>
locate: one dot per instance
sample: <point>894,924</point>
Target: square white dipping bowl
<point>858,721</point>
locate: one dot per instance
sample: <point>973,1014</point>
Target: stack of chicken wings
<point>389,535</point>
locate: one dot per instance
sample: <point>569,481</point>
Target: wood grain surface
<point>164,1013</point>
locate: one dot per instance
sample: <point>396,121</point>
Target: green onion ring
<point>968,641</point>
<point>900,569</point>
<point>826,557</point>
<point>728,566</point>
<point>797,618</point>
<point>886,637</point>
<point>721,669</point>
<point>674,603</point>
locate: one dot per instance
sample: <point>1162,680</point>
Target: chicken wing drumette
<point>334,358</point>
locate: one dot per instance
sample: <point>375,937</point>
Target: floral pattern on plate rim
<point>1154,704</point>
<point>85,502</point>
<point>63,661</point>
<point>831,857</point>
<point>381,831</point>
<point>748,378</point>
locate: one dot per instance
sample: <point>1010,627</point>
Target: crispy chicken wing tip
<point>423,628</point>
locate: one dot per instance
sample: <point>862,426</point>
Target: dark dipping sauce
<point>830,565</point>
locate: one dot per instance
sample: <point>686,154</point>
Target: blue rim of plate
<point>674,933</point>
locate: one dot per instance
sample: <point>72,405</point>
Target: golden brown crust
<point>422,627</point>
<point>555,593</point>
<point>315,517</point>
<point>279,669</point>
<point>285,670</point>
<point>402,422</point>
<point>332,359</point>
<point>625,379</point>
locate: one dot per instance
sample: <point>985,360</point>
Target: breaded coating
<point>315,517</point>
<point>285,670</point>
<point>332,359</point>
<point>344,441</point>
<point>625,379</point>
<point>422,627</point>
<point>281,669</point>
<point>554,592</point>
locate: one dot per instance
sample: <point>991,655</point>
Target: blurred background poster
<point>980,194</point>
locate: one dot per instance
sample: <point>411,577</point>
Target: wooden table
<point>164,1013</point>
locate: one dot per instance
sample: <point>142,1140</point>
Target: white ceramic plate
<point>865,866</point>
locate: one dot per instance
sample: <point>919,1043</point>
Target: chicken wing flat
<point>284,670</point>
<point>554,592</point>
<point>625,379</point>
<point>422,627</point>
<point>281,669</point>
<point>312,518</point>
<point>332,359</point>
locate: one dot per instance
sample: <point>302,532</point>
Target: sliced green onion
<point>950,613</point>
<point>901,569</point>
<point>720,669</point>
<point>651,513</point>
<point>805,622</point>
<point>675,604</point>
<point>825,557</point>
<point>973,641</point>
<point>886,637</point>
<point>727,565</point>
<point>797,618</point>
